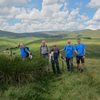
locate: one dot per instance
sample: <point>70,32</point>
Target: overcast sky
<point>48,15</point>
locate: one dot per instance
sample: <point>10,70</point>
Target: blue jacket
<point>80,48</point>
<point>23,52</point>
<point>69,51</point>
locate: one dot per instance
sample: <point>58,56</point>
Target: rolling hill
<point>46,34</point>
<point>21,35</point>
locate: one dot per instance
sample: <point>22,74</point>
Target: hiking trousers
<point>55,66</point>
<point>69,62</point>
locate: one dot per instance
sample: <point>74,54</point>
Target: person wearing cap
<point>80,48</point>
<point>54,55</point>
<point>44,49</point>
<point>23,51</point>
<point>69,54</point>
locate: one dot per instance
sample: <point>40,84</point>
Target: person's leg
<point>53,67</point>
<point>45,56</point>
<point>78,62</point>
<point>82,63</point>
<point>68,66</point>
<point>71,64</point>
<point>57,66</point>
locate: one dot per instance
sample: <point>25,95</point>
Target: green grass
<point>17,71</point>
<point>8,43</point>
<point>67,86</point>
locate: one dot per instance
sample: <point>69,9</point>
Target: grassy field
<point>10,42</point>
<point>67,86</point>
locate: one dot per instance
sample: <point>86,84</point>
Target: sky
<point>49,15</point>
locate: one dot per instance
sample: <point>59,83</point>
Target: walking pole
<point>62,61</point>
<point>49,61</point>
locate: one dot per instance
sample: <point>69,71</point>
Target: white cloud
<point>94,23</point>
<point>94,3</point>
<point>54,15</point>
<point>12,2</point>
<point>97,15</point>
<point>84,17</point>
<point>50,2</point>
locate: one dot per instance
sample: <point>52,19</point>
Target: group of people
<point>54,53</point>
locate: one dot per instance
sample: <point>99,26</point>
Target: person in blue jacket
<point>80,48</point>
<point>69,54</point>
<point>24,52</point>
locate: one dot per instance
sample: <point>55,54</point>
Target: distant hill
<point>22,35</point>
<point>47,34</point>
<point>44,34</point>
<point>91,33</point>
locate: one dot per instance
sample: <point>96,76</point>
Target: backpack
<point>27,54</point>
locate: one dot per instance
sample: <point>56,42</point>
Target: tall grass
<point>26,80</point>
<point>15,70</point>
<point>67,86</point>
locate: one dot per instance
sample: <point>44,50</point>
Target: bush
<point>15,70</point>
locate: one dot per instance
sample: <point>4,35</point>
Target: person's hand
<point>29,53</point>
<point>76,52</point>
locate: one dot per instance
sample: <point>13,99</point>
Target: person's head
<point>54,46</point>
<point>43,43</point>
<point>78,40</point>
<point>21,45</point>
<point>69,42</point>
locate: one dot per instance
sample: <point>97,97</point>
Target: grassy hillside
<point>67,86</point>
<point>29,81</point>
<point>52,34</point>
<point>92,34</point>
<point>9,39</point>
<point>8,43</point>
<point>22,35</point>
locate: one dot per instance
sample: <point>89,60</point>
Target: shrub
<point>15,70</point>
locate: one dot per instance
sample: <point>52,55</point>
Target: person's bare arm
<point>75,52</point>
<point>84,53</point>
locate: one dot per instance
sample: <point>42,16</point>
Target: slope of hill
<point>44,34</point>
<point>66,86</point>
<point>10,39</point>
<point>22,35</point>
<point>91,33</point>
<point>49,34</point>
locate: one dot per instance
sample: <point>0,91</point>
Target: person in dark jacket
<point>54,55</point>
